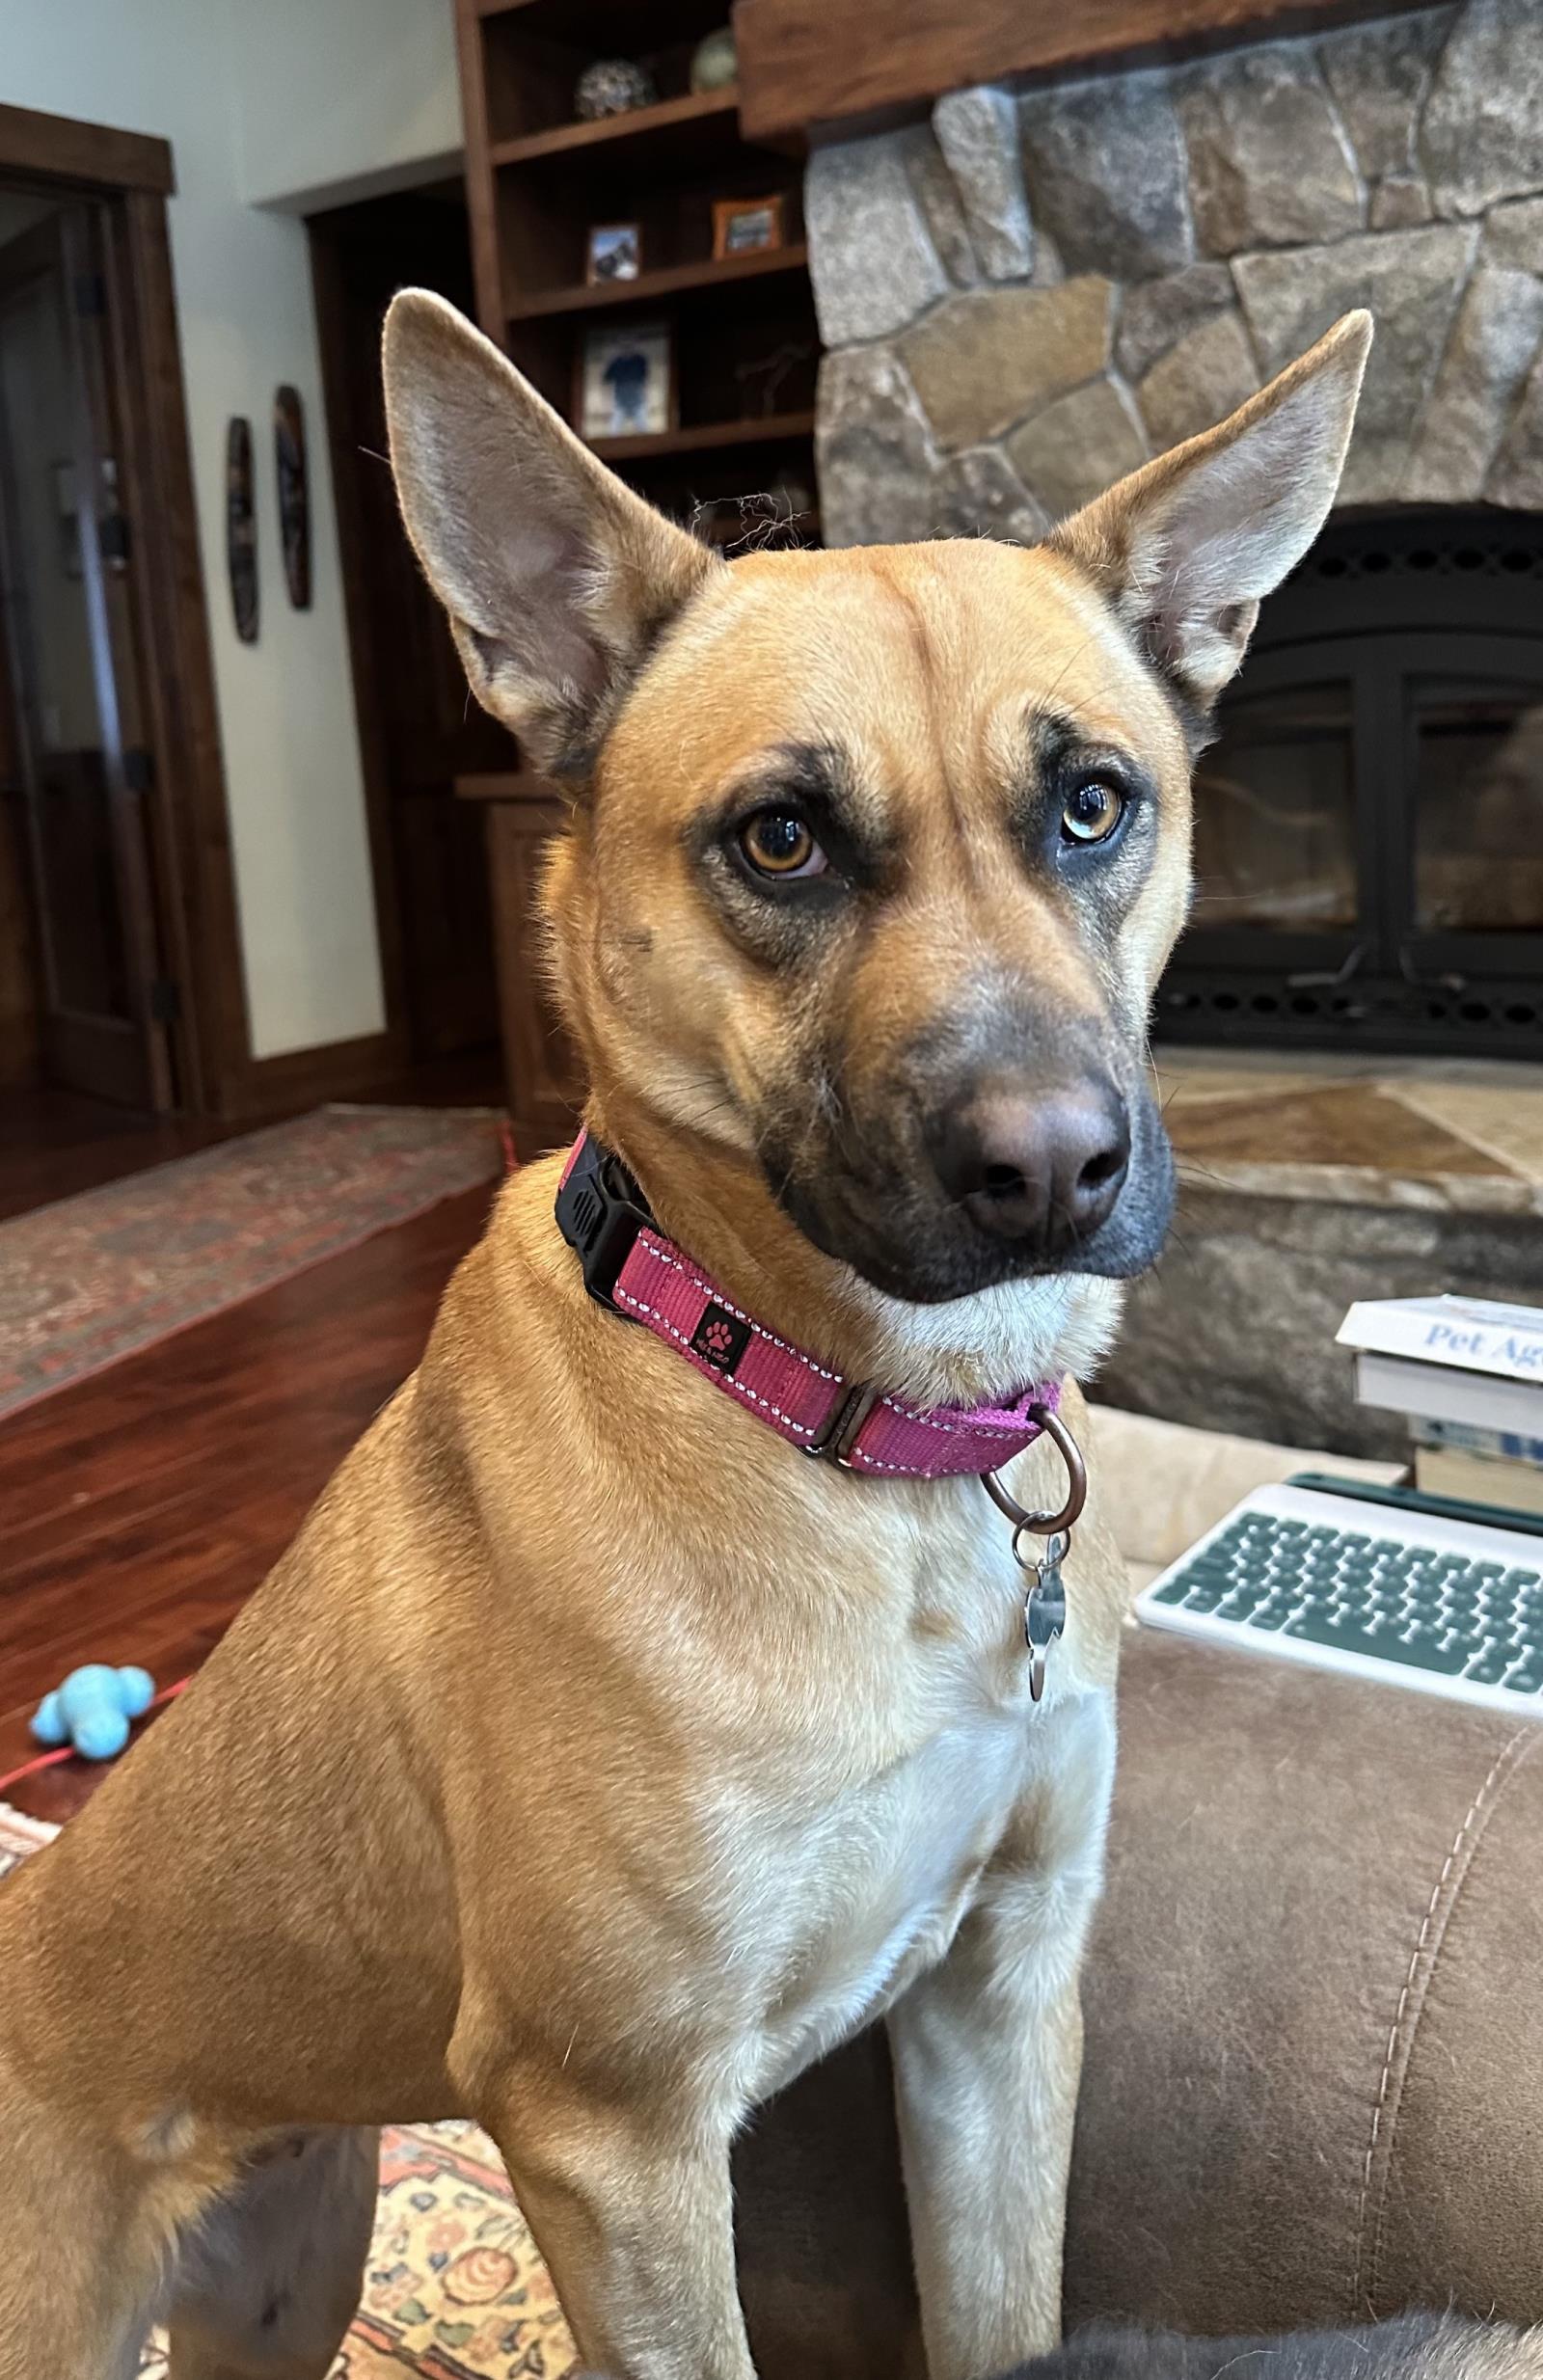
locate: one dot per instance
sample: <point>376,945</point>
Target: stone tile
<point>1493,342</point>
<point>1157,313</point>
<point>1507,1123</point>
<point>1399,199</point>
<point>1344,1124</point>
<point>1205,377</point>
<point>977,133</point>
<point>981,361</point>
<point>1517,476</point>
<point>1380,75</point>
<point>1076,447</point>
<point>978,494</point>
<point>1105,170</point>
<point>1513,234</point>
<point>938,196</point>
<point>1268,163</point>
<point>874,452</point>
<point>1411,282</point>
<point>870,260</point>
<point>1481,137</point>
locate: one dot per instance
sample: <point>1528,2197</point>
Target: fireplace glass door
<point>1369,819</point>
<point>1477,778</point>
<point>1275,811</point>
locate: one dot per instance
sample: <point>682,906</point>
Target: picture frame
<point>613,251</point>
<point>745,227</point>
<point>624,383</point>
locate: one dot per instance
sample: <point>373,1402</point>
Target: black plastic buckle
<point>600,1213</point>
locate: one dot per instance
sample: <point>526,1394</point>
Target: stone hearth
<point>1029,294</point>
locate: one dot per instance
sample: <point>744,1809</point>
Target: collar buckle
<point>843,1424</point>
<point>600,1213</point>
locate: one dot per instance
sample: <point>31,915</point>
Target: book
<point>1479,1478</point>
<point>1469,1438</point>
<point>1442,1393</point>
<point>1467,1333</point>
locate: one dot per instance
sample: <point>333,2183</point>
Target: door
<point>418,728</point>
<point>72,656</point>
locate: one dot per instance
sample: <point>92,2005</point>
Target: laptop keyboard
<point>1360,1586</point>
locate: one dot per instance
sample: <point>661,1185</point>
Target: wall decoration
<point>613,252</point>
<point>613,87</point>
<point>242,529</point>
<point>743,226</point>
<point>294,494</point>
<point>715,60</point>
<point>626,382</point>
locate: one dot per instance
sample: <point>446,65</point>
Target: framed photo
<point>614,253</point>
<point>626,380</point>
<point>741,226</point>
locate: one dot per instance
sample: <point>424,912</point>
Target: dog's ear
<point>556,577</point>
<point>1186,546</point>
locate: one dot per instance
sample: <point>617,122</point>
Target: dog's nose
<point>1042,1167</point>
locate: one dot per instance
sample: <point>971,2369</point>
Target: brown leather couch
<point>1313,2087</point>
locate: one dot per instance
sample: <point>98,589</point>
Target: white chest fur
<point>844,1878</point>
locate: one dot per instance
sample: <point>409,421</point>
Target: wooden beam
<point>804,62</point>
<point>32,143</point>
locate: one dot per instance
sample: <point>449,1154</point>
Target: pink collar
<point>630,1266</point>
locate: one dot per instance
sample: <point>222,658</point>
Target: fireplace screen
<point>1368,822</point>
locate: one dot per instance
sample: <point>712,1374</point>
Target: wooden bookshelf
<point>745,341</point>
<point>538,178</point>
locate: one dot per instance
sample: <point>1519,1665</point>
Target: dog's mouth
<point>926,1230</point>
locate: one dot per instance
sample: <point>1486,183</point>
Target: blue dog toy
<point>92,1708</point>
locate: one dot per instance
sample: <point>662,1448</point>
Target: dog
<point>592,1762</point>
<point>1416,2346</point>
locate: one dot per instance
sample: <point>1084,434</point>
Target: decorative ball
<point>715,60</point>
<point>613,87</point>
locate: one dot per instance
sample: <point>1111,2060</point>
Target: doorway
<point>90,1005</point>
<point>418,729</point>
<point>122,1002</point>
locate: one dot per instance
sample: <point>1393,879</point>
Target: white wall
<point>251,93</point>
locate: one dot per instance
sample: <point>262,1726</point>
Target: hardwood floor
<point>55,1143</point>
<point>139,1509</point>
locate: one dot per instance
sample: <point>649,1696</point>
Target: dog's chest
<point>863,1878</point>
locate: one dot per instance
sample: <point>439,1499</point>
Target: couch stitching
<point>1385,2106</point>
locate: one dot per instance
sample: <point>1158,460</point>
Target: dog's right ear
<point>556,577</point>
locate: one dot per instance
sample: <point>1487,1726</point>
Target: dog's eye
<point>1092,812</point>
<point>779,843</point>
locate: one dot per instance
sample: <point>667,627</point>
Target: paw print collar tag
<point>1044,1605</point>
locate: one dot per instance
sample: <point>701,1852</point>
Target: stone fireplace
<point>1036,289</point>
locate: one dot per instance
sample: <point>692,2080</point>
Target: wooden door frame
<point>190,839</point>
<point>327,267</point>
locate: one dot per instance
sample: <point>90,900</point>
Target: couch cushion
<point>1313,2088</point>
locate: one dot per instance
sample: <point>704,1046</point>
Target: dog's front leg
<point>632,2209</point>
<point>987,2053</point>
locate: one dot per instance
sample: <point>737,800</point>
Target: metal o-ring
<point>1044,1523</point>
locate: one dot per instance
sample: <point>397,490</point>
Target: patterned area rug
<point>454,2288</point>
<point>94,1278</point>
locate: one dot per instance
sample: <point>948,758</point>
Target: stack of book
<point>1468,1374</point>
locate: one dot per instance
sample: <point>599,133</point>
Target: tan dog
<point>591,1763</point>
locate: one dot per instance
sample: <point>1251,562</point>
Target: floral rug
<point>94,1278</point>
<point>454,2289</point>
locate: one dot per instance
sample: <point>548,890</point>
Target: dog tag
<point>1045,1611</point>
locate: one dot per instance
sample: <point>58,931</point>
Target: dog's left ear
<point>1185,547</point>
<point>556,577</point>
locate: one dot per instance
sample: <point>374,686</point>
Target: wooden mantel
<point>807,64</point>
